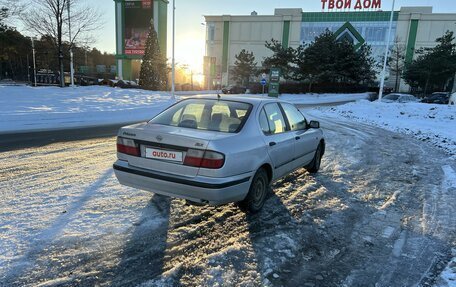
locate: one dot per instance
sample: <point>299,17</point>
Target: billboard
<point>138,15</point>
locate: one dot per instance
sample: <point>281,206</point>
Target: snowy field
<point>428,122</point>
<point>24,108</point>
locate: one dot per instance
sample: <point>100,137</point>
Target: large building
<point>413,28</point>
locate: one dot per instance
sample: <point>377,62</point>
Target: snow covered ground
<point>379,213</point>
<point>24,108</point>
<point>428,122</point>
<point>313,99</point>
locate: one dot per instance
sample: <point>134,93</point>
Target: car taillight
<point>205,159</point>
<point>127,146</point>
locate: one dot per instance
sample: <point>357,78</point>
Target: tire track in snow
<point>438,218</point>
<point>45,237</point>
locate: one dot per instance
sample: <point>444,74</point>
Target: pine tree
<point>282,58</point>
<point>154,72</point>
<point>244,67</point>
<point>434,67</point>
<point>327,60</point>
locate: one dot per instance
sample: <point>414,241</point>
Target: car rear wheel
<point>257,193</point>
<point>314,165</point>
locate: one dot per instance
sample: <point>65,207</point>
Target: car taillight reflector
<point>194,157</point>
<point>205,159</point>
<point>127,146</point>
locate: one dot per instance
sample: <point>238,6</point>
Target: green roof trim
<point>362,16</point>
<point>162,26</point>
<point>411,41</point>
<point>226,38</point>
<point>355,33</point>
<point>286,34</point>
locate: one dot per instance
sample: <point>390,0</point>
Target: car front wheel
<point>257,193</point>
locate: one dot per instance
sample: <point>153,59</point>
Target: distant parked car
<point>125,84</point>
<point>399,98</point>
<point>452,100</point>
<point>218,150</point>
<point>234,90</point>
<point>437,98</point>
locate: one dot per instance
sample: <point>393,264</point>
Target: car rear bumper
<point>198,189</point>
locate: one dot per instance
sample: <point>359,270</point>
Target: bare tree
<point>396,61</point>
<point>50,17</point>
<point>10,11</point>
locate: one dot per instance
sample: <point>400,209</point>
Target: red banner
<point>134,52</point>
<point>146,4</point>
<point>351,4</point>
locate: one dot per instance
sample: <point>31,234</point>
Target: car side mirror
<point>314,124</point>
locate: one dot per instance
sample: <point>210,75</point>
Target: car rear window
<point>206,114</point>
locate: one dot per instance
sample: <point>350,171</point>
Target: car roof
<point>246,99</point>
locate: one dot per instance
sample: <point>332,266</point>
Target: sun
<point>190,51</point>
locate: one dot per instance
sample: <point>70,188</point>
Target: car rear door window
<point>295,119</point>
<point>275,118</point>
<point>264,123</point>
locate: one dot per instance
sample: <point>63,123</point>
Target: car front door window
<point>295,119</point>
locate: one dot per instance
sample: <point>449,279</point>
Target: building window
<point>376,34</point>
<point>211,32</point>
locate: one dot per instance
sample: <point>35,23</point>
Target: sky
<point>190,33</point>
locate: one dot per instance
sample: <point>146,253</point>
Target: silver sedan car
<point>217,150</point>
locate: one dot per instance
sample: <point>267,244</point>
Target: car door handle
<point>272,143</point>
<point>297,138</point>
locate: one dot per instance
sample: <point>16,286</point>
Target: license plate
<point>162,154</point>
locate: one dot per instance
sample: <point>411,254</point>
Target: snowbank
<point>310,99</point>
<point>26,108</point>
<point>427,122</point>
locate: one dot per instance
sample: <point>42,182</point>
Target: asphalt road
<point>15,141</point>
<point>379,213</point>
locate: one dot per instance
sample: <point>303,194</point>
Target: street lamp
<point>71,45</point>
<point>173,73</point>
<point>34,61</point>
<point>382,80</point>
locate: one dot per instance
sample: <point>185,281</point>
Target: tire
<point>314,165</point>
<point>258,190</point>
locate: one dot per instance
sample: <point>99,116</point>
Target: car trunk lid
<point>163,148</point>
